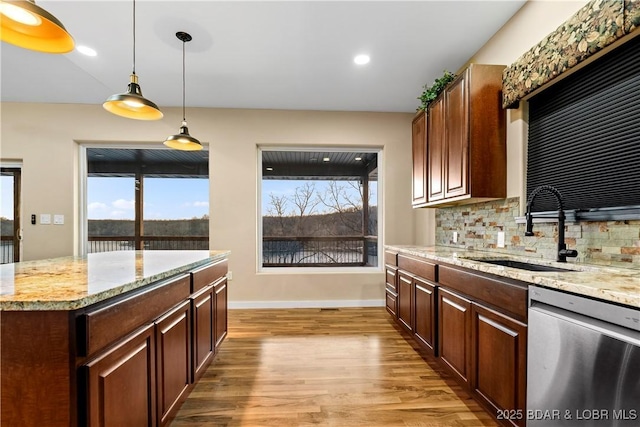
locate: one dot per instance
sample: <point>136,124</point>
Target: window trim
<point>319,270</point>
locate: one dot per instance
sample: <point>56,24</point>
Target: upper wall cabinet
<point>465,137</point>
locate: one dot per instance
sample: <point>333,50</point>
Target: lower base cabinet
<point>499,346</point>
<point>425,309</point>
<point>121,384</point>
<point>405,300</point>
<point>220,291</point>
<point>454,334</point>
<point>173,359</point>
<point>203,305</point>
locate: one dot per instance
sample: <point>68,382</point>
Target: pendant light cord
<point>134,36</point>
<point>184,116</point>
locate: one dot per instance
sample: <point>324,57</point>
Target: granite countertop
<point>620,285</point>
<point>70,283</point>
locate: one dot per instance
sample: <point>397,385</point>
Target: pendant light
<point>183,141</point>
<point>132,104</point>
<point>24,24</point>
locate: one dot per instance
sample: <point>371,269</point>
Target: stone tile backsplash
<point>615,243</point>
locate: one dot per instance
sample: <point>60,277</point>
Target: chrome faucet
<point>563,252</point>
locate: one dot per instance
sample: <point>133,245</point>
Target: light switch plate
<point>45,218</point>
<point>455,237</point>
<point>500,243</point>
<point>58,219</point>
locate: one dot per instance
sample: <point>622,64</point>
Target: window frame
<point>379,151</point>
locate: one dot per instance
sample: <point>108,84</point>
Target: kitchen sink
<point>520,265</point>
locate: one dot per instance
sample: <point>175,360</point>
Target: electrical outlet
<point>500,242</point>
<point>230,275</point>
<point>455,237</point>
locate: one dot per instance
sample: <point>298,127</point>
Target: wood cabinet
<point>173,359</point>
<point>124,361</point>
<point>203,304</point>
<point>121,383</point>
<point>405,300</point>
<point>454,334</point>
<point>391,289</point>
<point>499,347</point>
<point>425,313</point>
<point>220,291</point>
<point>465,141</point>
<point>419,153</point>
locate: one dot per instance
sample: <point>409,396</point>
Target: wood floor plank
<point>335,368</point>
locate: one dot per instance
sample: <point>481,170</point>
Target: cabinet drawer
<point>418,267</point>
<point>391,258</point>
<point>205,276</point>
<point>103,325</point>
<point>506,295</point>
<point>391,277</point>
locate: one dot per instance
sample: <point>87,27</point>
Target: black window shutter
<point>584,135</point>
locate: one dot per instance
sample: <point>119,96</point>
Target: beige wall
<point>535,20</point>
<point>46,138</point>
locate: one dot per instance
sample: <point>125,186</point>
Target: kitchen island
<point>116,338</point>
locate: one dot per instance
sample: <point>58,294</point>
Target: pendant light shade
<point>24,24</point>
<point>183,141</point>
<point>132,104</point>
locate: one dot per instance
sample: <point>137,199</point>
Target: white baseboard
<point>306,304</point>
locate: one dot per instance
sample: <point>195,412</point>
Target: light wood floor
<point>342,368</point>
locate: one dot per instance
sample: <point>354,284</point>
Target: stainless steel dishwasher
<point>583,361</point>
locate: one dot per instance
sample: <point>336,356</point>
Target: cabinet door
<point>456,155</point>
<point>425,313</point>
<point>405,300</point>
<point>454,333</point>
<point>220,311</point>
<point>499,361</point>
<point>419,149</point>
<point>121,383</point>
<point>203,323</point>
<point>435,149</point>
<point>391,290</point>
<point>173,358</point>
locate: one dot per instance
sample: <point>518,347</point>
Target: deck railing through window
<point>6,249</point>
<point>127,243</point>
<point>297,251</point>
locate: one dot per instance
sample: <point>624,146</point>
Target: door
<point>121,383</point>
<point>435,149</point>
<point>203,324</point>
<point>10,231</point>
<point>220,311</point>
<point>173,359</point>
<point>454,333</point>
<point>456,155</point>
<point>419,149</point>
<point>405,300</point>
<point>425,313</point>
<point>499,361</point>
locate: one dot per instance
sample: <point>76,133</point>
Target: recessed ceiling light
<point>269,168</point>
<point>85,50</point>
<point>361,59</point>
<point>326,159</point>
<point>358,159</point>
<point>313,159</point>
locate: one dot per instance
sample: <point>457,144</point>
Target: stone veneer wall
<point>615,243</point>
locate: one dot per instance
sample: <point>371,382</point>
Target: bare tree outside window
<point>320,220</point>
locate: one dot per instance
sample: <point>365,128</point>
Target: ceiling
<point>274,55</point>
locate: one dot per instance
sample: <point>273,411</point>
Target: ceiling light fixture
<point>29,26</point>
<point>358,159</point>
<point>326,159</point>
<point>86,50</point>
<point>361,59</point>
<point>183,141</point>
<point>132,104</point>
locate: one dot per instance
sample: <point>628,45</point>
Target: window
<point>147,199</point>
<point>583,138</point>
<point>319,208</point>
<point>9,214</point>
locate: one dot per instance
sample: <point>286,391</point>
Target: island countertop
<point>619,285</point>
<point>70,283</point>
